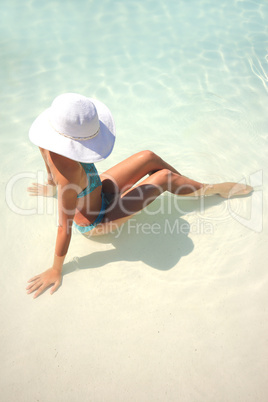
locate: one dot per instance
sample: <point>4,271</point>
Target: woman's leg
<point>138,197</point>
<point>125,174</point>
<point>131,198</point>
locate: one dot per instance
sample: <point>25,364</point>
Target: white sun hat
<point>77,127</point>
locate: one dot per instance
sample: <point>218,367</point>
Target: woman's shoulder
<point>66,170</point>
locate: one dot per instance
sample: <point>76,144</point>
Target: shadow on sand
<point>154,236</point>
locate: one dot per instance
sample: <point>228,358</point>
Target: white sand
<point>145,317</point>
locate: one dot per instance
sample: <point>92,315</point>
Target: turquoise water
<point>171,71</point>
<point>188,80</point>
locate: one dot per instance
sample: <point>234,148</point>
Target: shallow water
<point>188,80</point>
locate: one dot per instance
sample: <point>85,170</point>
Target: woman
<point>73,134</point>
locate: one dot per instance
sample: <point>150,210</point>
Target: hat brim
<point>93,150</point>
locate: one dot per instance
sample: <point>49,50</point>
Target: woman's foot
<point>227,190</point>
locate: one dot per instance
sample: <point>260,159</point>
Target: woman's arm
<point>48,189</point>
<point>45,190</point>
<point>67,200</point>
<point>50,180</point>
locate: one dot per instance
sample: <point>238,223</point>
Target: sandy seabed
<point>174,306</point>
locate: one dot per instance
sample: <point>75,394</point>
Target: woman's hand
<point>46,190</point>
<point>40,283</point>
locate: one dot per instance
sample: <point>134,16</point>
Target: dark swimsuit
<point>94,181</point>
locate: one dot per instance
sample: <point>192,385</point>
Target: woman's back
<point>83,178</point>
